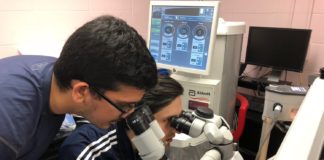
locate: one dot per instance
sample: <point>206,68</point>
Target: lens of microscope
<point>181,124</point>
<point>137,123</point>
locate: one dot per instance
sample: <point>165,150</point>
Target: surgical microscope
<point>202,125</point>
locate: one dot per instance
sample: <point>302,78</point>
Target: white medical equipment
<point>148,134</point>
<point>304,139</point>
<point>202,126</point>
<point>202,51</point>
<point>281,104</point>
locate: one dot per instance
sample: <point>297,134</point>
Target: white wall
<point>47,23</point>
<point>44,25</point>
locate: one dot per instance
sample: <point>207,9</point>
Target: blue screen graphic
<point>180,35</point>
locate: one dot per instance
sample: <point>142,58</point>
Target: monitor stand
<point>274,76</point>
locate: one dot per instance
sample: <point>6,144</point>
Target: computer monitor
<point>182,34</point>
<point>277,48</point>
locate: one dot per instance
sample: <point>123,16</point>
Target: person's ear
<point>80,90</point>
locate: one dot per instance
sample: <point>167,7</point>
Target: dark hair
<point>166,90</point>
<point>106,52</point>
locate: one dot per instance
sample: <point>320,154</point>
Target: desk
<point>258,84</point>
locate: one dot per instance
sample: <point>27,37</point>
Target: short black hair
<point>166,90</point>
<point>106,52</point>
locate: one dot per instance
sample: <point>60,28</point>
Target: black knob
<point>204,112</point>
<point>322,73</point>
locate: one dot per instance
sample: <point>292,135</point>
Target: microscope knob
<point>204,112</point>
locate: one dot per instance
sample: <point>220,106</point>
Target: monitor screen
<point>278,48</point>
<point>182,34</point>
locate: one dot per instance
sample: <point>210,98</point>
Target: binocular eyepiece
<point>185,121</point>
<point>140,119</point>
<point>182,123</point>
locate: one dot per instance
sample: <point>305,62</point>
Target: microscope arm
<point>222,138</point>
<point>213,130</point>
<point>217,135</point>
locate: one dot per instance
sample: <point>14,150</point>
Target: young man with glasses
<point>105,60</point>
<point>90,142</point>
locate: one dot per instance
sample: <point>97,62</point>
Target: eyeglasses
<point>122,108</point>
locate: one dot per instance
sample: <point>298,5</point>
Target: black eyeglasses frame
<point>124,109</point>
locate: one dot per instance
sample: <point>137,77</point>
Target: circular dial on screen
<point>199,32</point>
<point>168,29</point>
<point>183,31</point>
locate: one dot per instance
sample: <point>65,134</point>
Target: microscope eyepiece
<point>181,124</point>
<point>137,123</point>
<point>188,115</point>
<point>148,133</point>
